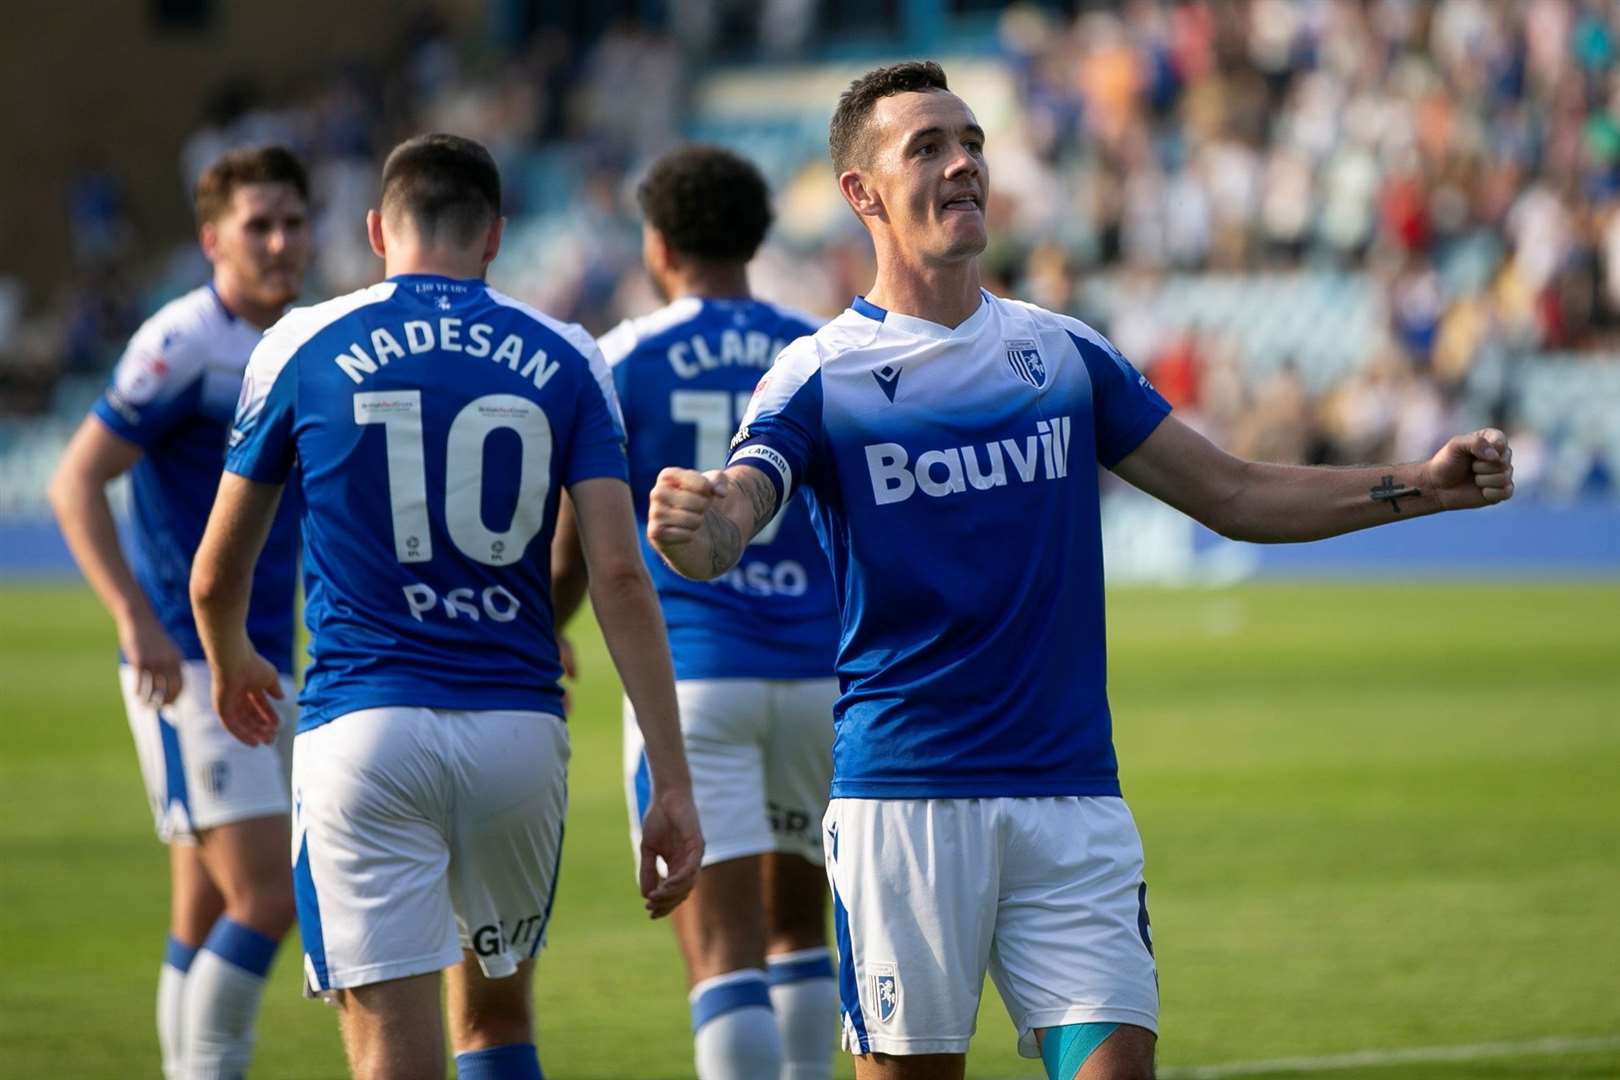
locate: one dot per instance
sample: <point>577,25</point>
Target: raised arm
<point>221,586</point>
<point>94,457</point>
<point>633,627</point>
<point>1273,504</point>
<point>701,522</point>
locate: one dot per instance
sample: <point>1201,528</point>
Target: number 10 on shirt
<point>400,413</point>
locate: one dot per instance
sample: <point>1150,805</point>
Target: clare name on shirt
<point>738,348</point>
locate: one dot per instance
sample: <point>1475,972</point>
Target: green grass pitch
<point>1376,817</point>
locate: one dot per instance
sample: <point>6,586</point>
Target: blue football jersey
<point>952,476</point>
<point>432,423</point>
<point>684,376</point>
<point>173,394</point>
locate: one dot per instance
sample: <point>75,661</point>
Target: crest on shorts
<point>1025,359</point>
<point>885,991</point>
<point>215,776</point>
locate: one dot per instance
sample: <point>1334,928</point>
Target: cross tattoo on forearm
<point>1386,491</point>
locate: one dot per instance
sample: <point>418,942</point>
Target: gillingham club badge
<point>885,991</point>
<point>1025,359</point>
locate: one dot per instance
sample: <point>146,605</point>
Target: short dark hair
<point>248,165</point>
<point>846,135</point>
<point>442,181</point>
<point>708,202</point>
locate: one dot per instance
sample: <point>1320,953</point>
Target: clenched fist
<point>1472,471</point>
<point>680,524</point>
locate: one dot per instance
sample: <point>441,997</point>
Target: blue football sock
<point>514,1061</point>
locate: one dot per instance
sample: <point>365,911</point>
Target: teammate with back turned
<point>430,424</point>
<point>221,807</point>
<point>947,442</point>
<point>753,649</point>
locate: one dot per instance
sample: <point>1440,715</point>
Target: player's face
<point>262,242</point>
<point>928,168</point>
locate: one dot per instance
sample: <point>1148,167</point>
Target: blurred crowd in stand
<point>1464,155</point>
<point>1456,163</point>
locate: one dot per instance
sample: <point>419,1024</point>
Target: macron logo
<point>888,380</point>
<point>952,471</point>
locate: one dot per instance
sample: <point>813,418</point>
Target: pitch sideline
<point>1417,1055</point>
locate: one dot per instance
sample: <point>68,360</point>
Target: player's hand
<point>242,692</point>
<point>679,502</point>
<point>154,657</point>
<point>670,832</point>
<point>1472,471</point>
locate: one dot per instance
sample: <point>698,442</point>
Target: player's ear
<point>492,242</point>
<point>208,240</point>
<point>861,198</point>
<point>655,250</point>
<point>374,233</point>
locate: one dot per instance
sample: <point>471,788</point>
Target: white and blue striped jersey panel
<point>172,394</point>
<point>952,475</point>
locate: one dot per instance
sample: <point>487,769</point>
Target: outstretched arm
<point>701,522</point>
<point>1271,504</point>
<point>633,627</point>
<point>221,585</point>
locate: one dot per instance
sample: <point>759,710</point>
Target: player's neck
<point>437,264</point>
<point>239,306</point>
<point>712,283</point>
<point>947,294</point>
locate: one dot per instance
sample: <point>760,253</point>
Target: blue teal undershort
<point>1065,1049</point>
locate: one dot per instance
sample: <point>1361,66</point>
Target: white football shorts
<point>1047,893</point>
<point>197,774</point>
<point>760,753</point>
<point>418,833</point>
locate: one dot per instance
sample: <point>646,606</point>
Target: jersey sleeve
<point>618,343</point>
<point>155,385</point>
<point>596,447</point>
<point>616,346</point>
<point>1125,406</point>
<point>261,445</point>
<point>782,426</point>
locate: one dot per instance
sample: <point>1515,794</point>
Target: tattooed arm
<point>700,522</point>
<point>1272,504</point>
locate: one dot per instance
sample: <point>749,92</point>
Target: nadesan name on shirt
<point>448,334</point>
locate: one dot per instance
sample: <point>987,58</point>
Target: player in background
<point>948,443</point>
<point>753,650</point>
<point>219,806</point>
<point>430,424</point>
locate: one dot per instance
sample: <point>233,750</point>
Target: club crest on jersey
<point>885,991</point>
<point>1025,358</point>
